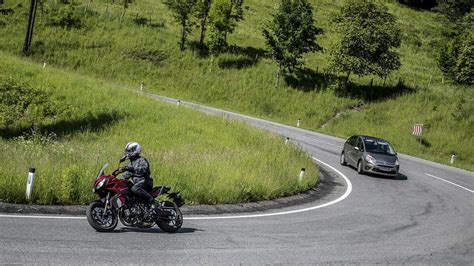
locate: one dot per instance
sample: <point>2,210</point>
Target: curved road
<point>425,217</point>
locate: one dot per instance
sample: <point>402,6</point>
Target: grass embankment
<point>209,159</point>
<point>144,47</point>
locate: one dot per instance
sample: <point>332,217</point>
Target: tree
<point>291,34</point>
<point>223,18</point>
<point>456,59</point>
<point>201,14</point>
<point>455,9</point>
<point>182,11</point>
<point>368,35</point>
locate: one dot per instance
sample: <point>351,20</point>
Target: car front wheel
<point>343,159</point>
<point>360,167</point>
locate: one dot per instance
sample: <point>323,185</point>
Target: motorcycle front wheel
<point>100,219</point>
<point>173,219</point>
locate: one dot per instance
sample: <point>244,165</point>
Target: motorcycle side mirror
<point>125,157</point>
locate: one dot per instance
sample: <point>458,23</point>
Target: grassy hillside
<point>144,48</point>
<point>209,159</point>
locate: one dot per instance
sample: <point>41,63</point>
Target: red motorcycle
<point>118,202</point>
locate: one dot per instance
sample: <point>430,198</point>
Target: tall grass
<point>243,78</point>
<point>209,159</point>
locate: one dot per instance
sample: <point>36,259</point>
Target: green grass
<point>243,80</point>
<point>209,159</point>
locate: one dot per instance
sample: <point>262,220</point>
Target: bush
<point>63,15</point>
<point>24,107</point>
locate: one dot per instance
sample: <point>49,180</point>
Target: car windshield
<point>378,146</point>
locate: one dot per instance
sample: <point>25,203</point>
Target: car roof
<point>370,137</point>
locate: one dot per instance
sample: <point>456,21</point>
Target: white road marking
<point>341,198</point>
<point>42,217</point>
<point>444,180</point>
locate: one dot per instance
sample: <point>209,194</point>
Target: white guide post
<point>30,182</point>
<point>301,174</point>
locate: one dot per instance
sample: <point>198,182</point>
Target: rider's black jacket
<point>138,169</point>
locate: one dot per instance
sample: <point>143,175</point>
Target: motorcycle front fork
<point>106,205</point>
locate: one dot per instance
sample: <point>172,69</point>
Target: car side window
<point>359,144</point>
<point>352,141</point>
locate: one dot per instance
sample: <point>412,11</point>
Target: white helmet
<point>132,149</point>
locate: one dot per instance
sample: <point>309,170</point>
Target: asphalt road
<point>425,216</point>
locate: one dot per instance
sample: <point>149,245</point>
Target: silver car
<point>370,155</point>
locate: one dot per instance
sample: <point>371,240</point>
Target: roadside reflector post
<point>298,123</point>
<point>142,85</point>
<point>301,174</point>
<point>178,102</point>
<point>30,182</point>
<point>453,157</point>
<point>287,140</point>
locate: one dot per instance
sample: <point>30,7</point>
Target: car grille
<point>385,164</point>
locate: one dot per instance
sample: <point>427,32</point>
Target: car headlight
<point>100,184</point>
<point>397,163</point>
<point>370,159</point>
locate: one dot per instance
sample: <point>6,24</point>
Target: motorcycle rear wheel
<point>98,221</point>
<point>175,218</point>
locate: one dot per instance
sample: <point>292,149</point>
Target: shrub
<point>62,15</point>
<point>24,107</point>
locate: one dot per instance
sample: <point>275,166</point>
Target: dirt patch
<point>355,108</point>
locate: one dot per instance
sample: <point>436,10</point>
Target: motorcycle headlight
<point>370,159</point>
<point>100,184</point>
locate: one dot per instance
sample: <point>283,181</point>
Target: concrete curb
<point>326,189</point>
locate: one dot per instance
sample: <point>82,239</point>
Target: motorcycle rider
<point>139,170</point>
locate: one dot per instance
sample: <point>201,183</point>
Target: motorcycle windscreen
<point>102,170</point>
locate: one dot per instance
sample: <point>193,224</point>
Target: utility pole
<point>29,29</point>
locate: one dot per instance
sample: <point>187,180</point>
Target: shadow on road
<point>398,177</point>
<point>183,230</point>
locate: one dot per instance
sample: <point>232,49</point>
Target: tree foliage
<point>455,9</point>
<point>425,4</point>
<point>456,58</point>
<point>182,13</point>
<point>223,18</point>
<point>291,33</point>
<point>368,35</point>
<point>62,15</point>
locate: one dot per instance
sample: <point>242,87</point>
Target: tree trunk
<point>203,31</point>
<point>183,36</point>
<point>347,77</point>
